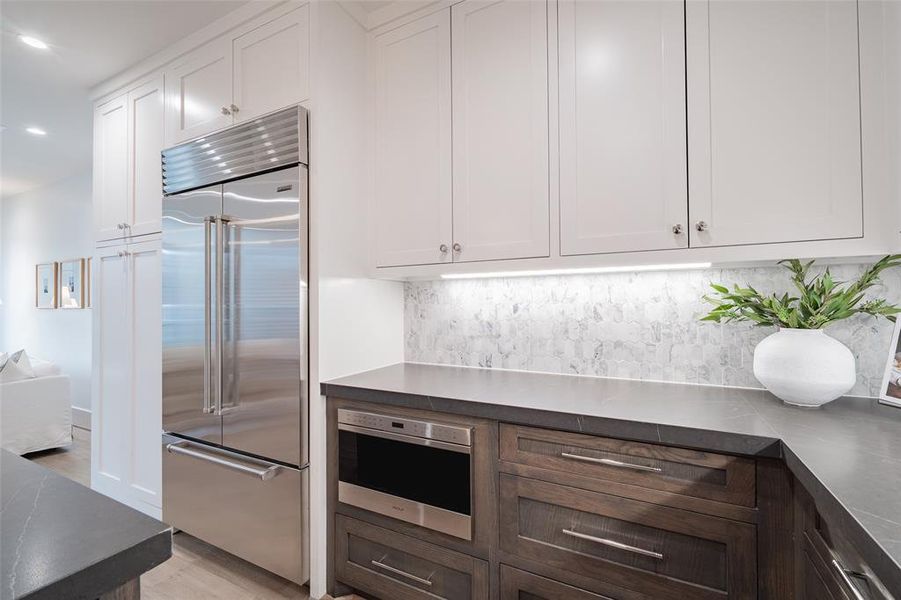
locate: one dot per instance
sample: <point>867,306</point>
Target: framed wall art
<point>72,283</point>
<point>890,392</point>
<point>45,295</point>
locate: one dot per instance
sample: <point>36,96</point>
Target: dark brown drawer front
<point>521,585</point>
<point>661,551</point>
<point>393,566</point>
<point>688,472</point>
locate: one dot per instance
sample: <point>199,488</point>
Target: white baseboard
<point>81,417</point>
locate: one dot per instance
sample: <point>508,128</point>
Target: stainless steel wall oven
<point>415,471</point>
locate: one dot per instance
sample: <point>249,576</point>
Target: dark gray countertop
<point>60,539</point>
<point>847,453</point>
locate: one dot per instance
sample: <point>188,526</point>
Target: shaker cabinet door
<point>622,126</point>
<point>774,121</point>
<point>199,93</point>
<point>110,169</point>
<point>412,200</point>
<point>145,142</point>
<point>272,65</point>
<point>500,130</point>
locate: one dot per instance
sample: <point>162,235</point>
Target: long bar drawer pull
<point>390,569</point>
<point>611,463</point>
<point>613,544</point>
<point>265,474</point>
<point>846,577</point>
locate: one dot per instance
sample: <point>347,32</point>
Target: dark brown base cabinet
<point>568,516</point>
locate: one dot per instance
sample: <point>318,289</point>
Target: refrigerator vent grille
<point>270,142</point>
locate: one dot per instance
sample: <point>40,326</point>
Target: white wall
<point>51,223</point>
<point>356,323</point>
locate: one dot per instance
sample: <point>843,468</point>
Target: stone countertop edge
<point>64,540</point>
<point>387,386</point>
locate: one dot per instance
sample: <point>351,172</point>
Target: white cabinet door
<point>622,126</point>
<point>199,92</point>
<point>111,395</point>
<point>145,141</point>
<point>500,130</point>
<point>110,169</point>
<point>272,65</point>
<point>412,204</point>
<point>774,121</point>
<point>146,424</point>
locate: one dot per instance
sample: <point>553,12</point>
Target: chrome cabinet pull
<point>613,544</point>
<point>207,314</point>
<point>611,463</point>
<point>677,229</point>
<point>458,247</point>
<point>234,108</point>
<point>702,226</point>
<point>443,248</point>
<point>265,473</point>
<point>224,110</point>
<point>845,576</point>
<point>390,569</point>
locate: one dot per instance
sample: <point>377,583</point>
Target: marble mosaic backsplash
<point>632,325</point>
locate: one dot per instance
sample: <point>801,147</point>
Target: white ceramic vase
<point>804,367</point>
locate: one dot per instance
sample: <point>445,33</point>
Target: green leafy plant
<point>821,300</point>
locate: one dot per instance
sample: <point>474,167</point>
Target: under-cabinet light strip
<point>579,271</point>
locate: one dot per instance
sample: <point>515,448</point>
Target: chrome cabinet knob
<point>234,108</point>
<point>677,229</point>
<point>225,111</point>
<point>122,253</point>
<point>701,226</point>
<point>120,226</point>
<point>443,248</point>
<point>458,247</point>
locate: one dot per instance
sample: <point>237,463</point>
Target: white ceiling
<point>90,41</point>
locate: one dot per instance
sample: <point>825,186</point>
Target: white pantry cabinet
<point>239,76</point>
<point>412,212</point>
<point>126,417</point>
<point>774,121</point>
<point>128,138</point>
<point>500,129</point>
<point>110,168</point>
<point>145,142</point>
<point>622,126</point>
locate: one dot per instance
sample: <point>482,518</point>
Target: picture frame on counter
<point>891,383</point>
<point>71,283</point>
<point>45,285</point>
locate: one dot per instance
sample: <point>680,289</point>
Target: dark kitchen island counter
<point>846,454</point>
<point>59,539</point>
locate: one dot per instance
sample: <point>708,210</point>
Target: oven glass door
<point>433,474</point>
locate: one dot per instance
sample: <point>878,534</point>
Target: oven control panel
<point>453,434</point>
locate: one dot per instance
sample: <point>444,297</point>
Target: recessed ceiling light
<point>33,42</point>
<point>35,131</point>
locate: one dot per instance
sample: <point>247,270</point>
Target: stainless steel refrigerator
<point>235,349</point>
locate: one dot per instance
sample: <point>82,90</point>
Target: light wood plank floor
<point>196,571</point>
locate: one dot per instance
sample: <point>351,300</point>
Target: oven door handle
<point>407,439</point>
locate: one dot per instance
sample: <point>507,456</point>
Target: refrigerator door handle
<point>207,314</point>
<point>221,226</point>
<point>264,473</point>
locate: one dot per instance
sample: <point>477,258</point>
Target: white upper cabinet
<point>622,126</point>
<point>774,121</point>
<point>500,130</point>
<point>240,76</point>
<point>110,168</point>
<point>412,203</point>
<point>145,142</point>
<point>272,65</point>
<point>199,92</point>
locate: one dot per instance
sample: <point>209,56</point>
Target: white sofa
<point>36,413</point>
